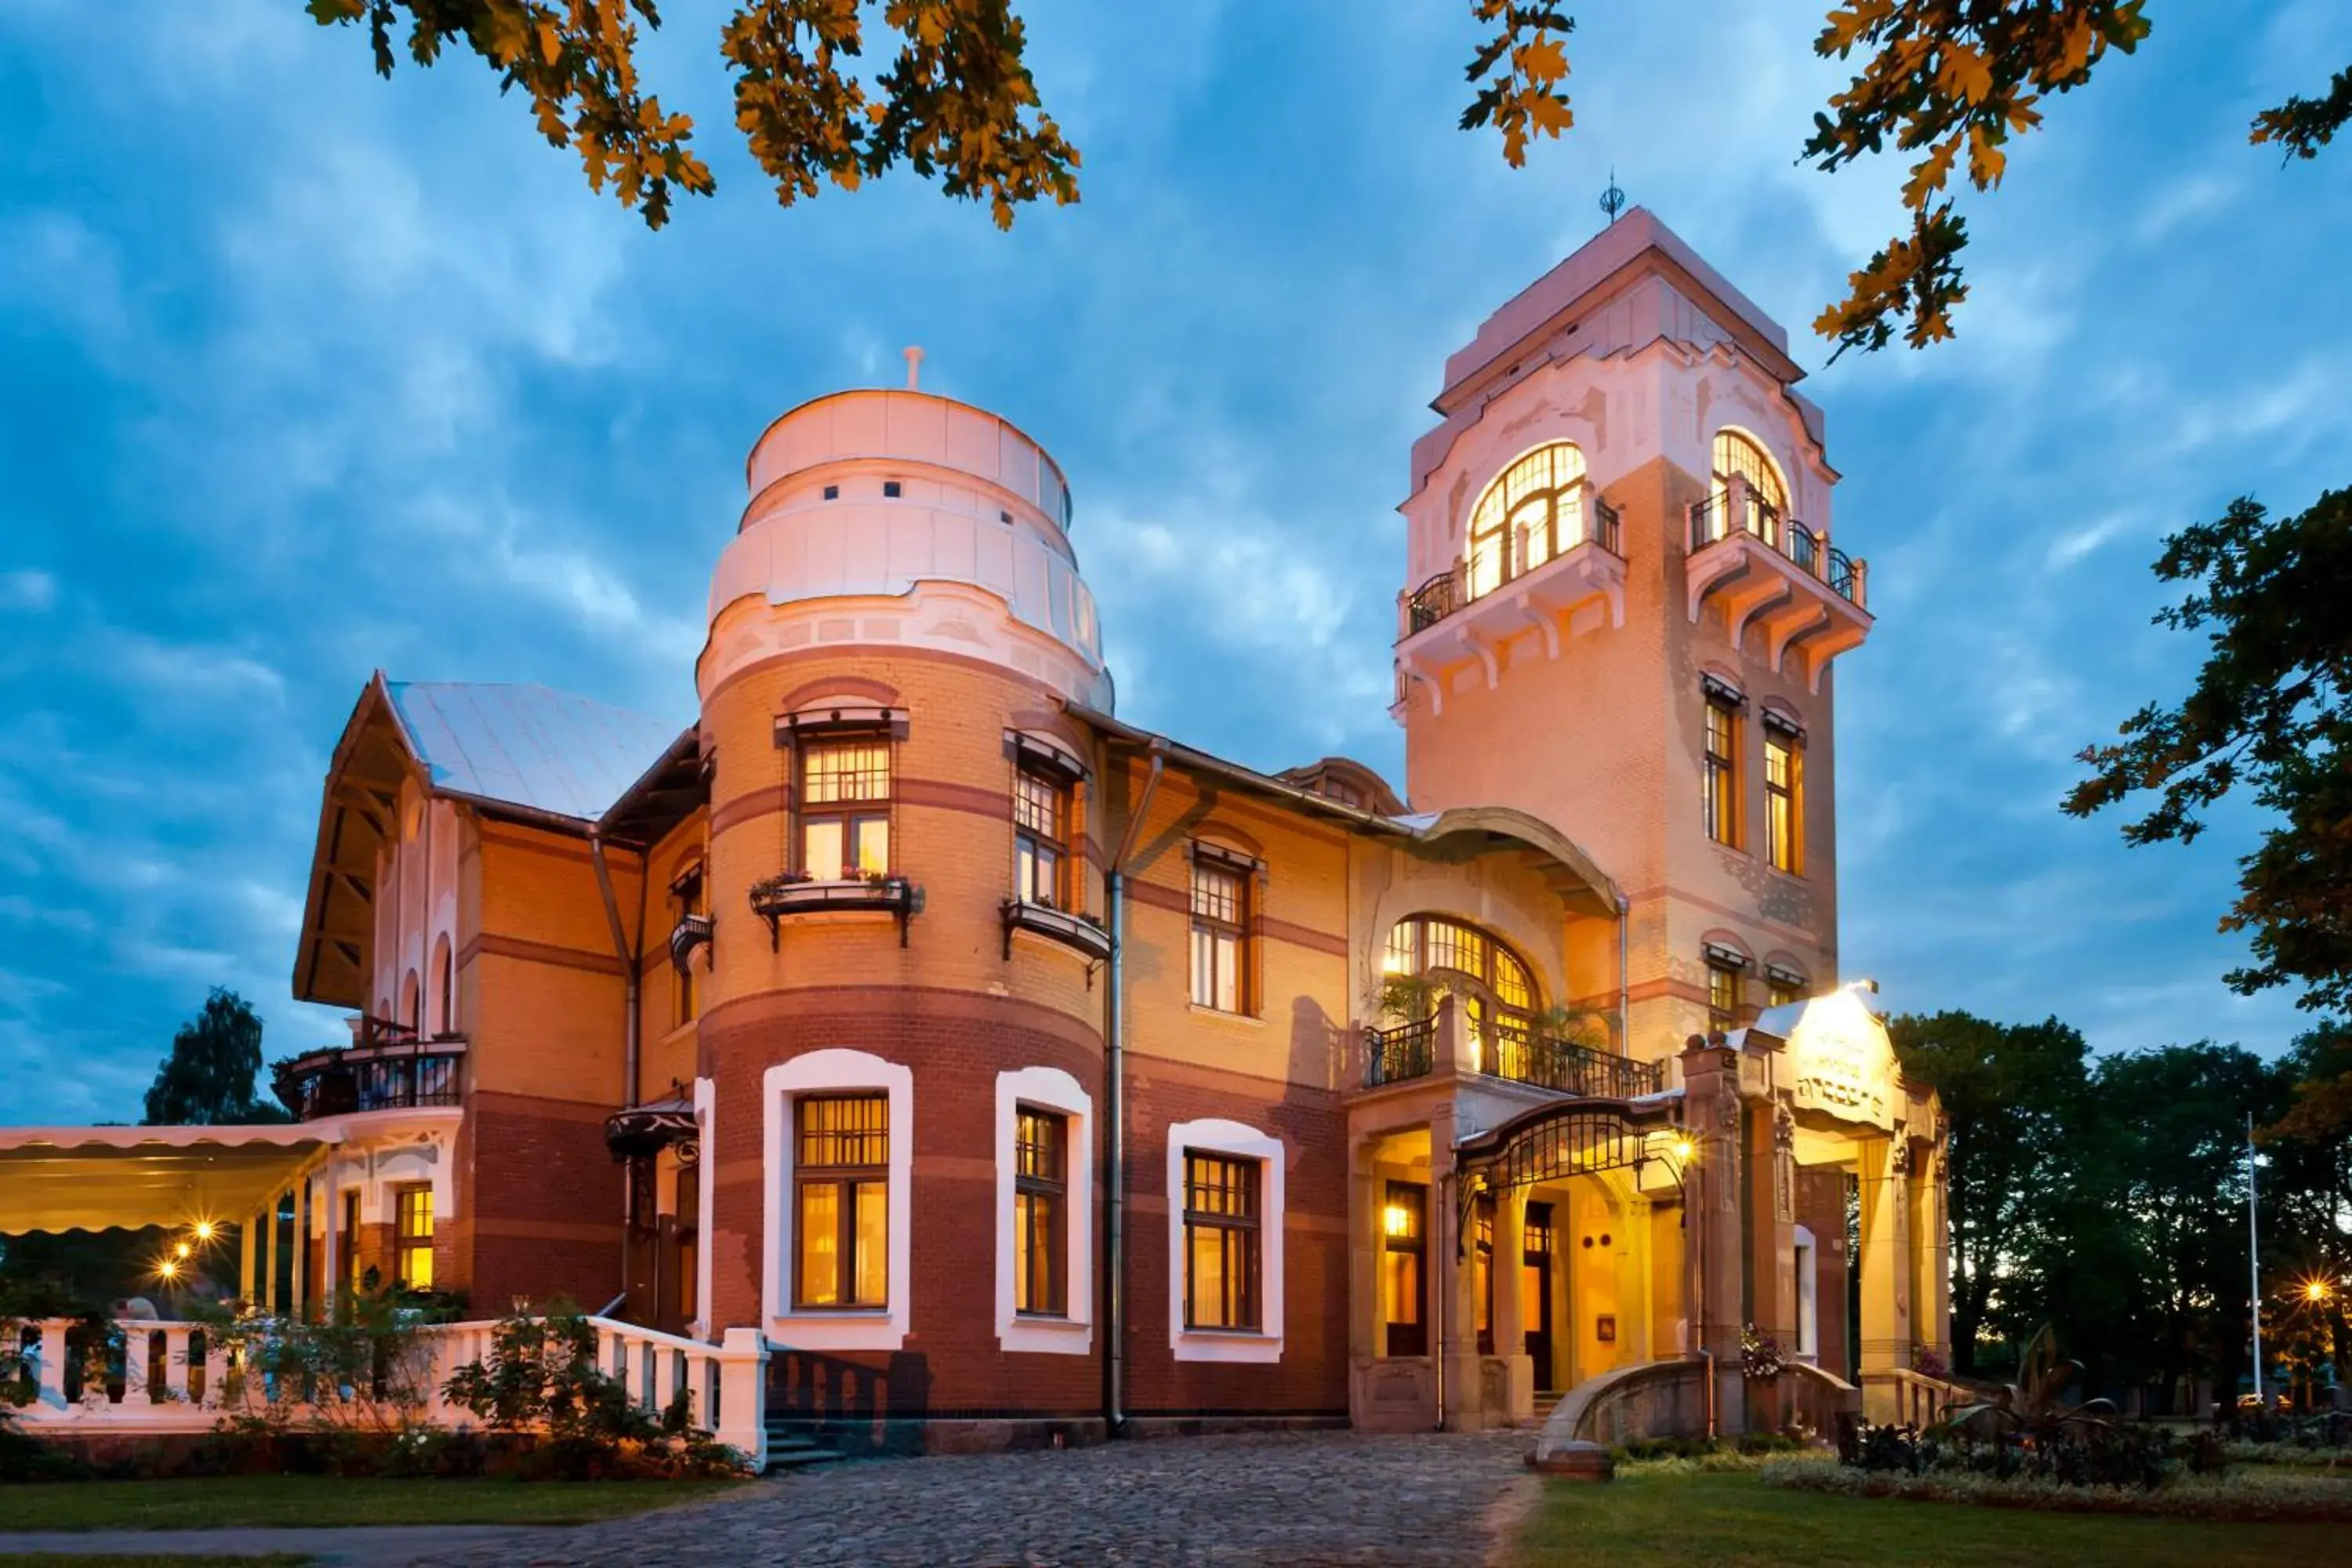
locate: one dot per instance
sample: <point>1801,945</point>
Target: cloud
<point>27,590</point>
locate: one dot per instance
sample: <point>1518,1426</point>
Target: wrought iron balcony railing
<point>1450,590</point>
<point>1510,1049</point>
<point>386,1067</point>
<point>1740,511</point>
<point>1405,1051</point>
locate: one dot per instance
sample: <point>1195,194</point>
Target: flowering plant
<point>1759,1354</point>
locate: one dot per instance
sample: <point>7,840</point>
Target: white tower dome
<point>898,520</point>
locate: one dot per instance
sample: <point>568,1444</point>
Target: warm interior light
<point>1398,1220</point>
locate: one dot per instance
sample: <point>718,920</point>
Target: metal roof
<point>528,745</point>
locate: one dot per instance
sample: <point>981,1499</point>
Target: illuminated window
<point>1041,825</point>
<point>1780,988</point>
<point>1405,1274</point>
<point>1723,1001</point>
<point>1496,988</point>
<point>1533,511</point>
<point>1221,1242</point>
<point>412,1237</point>
<point>686,1203</point>
<point>1483,1287</point>
<point>845,808</point>
<point>1040,1212</point>
<point>843,1201</point>
<point>1784,761</point>
<point>1721,764</point>
<point>351,1239</point>
<point>1220,890</point>
<point>1768,498</point>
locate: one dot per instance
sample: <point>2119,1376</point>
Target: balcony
<point>1083,933</point>
<point>1474,607</point>
<point>1509,1050</point>
<point>1406,1051</point>
<point>1810,597</point>
<point>789,894</point>
<point>385,1067</point>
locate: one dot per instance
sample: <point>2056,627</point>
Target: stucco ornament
<point>1899,1161</point>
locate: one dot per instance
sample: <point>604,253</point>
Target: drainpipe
<point>1624,1008</point>
<point>628,965</point>
<point>1114,1106</point>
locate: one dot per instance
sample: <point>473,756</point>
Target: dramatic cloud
<point>309,374</point>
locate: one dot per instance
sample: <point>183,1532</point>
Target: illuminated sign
<point>1843,1061</point>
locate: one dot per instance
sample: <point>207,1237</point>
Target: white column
<point>176,1361</point>
<point>137,1346</point>
<point>742,1389</point>
<point>53,1364</point>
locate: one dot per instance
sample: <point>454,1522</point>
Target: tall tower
<point>1621,608</point>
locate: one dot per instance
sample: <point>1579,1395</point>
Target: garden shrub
<point>2246,1497</point>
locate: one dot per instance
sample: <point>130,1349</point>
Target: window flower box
<point>789,893</point>
<point>1082,932</point>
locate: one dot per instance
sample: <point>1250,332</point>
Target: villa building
<point>1012,1070</point>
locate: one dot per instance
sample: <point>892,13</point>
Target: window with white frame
<point>1044,1201</point>
<point>839,1190</point>
<point>1225,1212</point>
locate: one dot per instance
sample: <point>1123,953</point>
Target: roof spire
<point>1612,200</point>
<point>914,368</point>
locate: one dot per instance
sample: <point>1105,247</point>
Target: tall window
<point>845,805</point>
<point>1221,1242</point>
<point>1721,762</point>
<point>1405,1274</point>
<point>1041,1188</point>
<point>351,1238</point>
<point>446,973</point>
<point>1220,933</point>
<point>1784,836</point>
<point>412,1237</point>
<point>842,1198</point>
<point>1768,498</point>
<point>1497,990</point>
<point>1722,993</point>
<point>1780,988</point>
<point>686,1203</point>
<point>1041,829</point>
<point>1533,511</point>
<point>1483,1253</point>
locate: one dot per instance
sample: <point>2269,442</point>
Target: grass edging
<point>2241,1498</point>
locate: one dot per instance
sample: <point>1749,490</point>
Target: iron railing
<point>1719,517</point>
<point>1512,1049</point>
<point>1405,1051</point>
<point>393,1070</point>
<point>1449,591</point>
<point>1433,601</point>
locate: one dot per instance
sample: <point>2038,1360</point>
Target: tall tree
<point>208,1078</point>
<point>2307,1189</point>
<point>2012,1097</point>
<point>2270,712</point>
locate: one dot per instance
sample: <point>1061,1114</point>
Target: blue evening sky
<point>304,373</point>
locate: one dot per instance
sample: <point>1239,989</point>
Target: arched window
<point>1432,955</point>
<point>1533,511</point>
<point>1768,501</point>
<point>411,1003</point>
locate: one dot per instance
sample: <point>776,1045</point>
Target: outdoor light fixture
<point>1681,1148</point>
<point>180,1250</point>
<point>1399,1221</point>
<point>2316,1290</point>
<point>206,1230</point>
<point>168,1269</point>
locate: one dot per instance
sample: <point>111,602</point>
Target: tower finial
<point>1612,200</point>
<point>914,368</point>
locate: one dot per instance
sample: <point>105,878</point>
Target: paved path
<point>361,1546</point>
<point>1320,1499</point>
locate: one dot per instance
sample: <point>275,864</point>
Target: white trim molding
<point>1048,1088</point>
<point>706,1116</point>
<point>1264,1343</point>
<point>828,1071</point>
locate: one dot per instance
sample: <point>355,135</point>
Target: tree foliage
<point>208,1078</point>
<point>1521,65</point>
<point>2271,711</point>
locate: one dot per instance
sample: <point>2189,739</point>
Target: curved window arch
<point>445,986</point>
<point>1737,452</point>
<point>1532,511</point>
<point>1435,955</point>
<point>411,1003</point>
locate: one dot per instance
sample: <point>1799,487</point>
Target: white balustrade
<point>724,1383</point>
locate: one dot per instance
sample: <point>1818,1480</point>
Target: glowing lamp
<point>206,1230</point>
<point>1681,1148</point>
<point>1398,1220</point>
<point>2317,1290</point>
<point>168,1269</point>
<point>180,1250</point>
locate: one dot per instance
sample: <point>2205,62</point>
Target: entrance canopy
<point>89,1178</point>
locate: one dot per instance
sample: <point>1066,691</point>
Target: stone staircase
<point>793,1447</point>
<point>1545,1403</point>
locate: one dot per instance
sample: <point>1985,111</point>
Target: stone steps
<point>789,1451</point>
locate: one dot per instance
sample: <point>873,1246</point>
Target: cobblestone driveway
<point>1420,1501</point>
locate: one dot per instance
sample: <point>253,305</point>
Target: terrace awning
<point>90,1178</point>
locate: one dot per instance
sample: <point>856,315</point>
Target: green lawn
<point>1702,1521</point>
<point>50,1560</point>
<point>313,1500</point>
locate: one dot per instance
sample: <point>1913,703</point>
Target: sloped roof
<point>528,745</point>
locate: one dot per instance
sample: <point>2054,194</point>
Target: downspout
<point>628,965</point>
<point>1114,1104</point>
<point>1624,1008</point>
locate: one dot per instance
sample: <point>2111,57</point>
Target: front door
<point>1534,1286</point>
